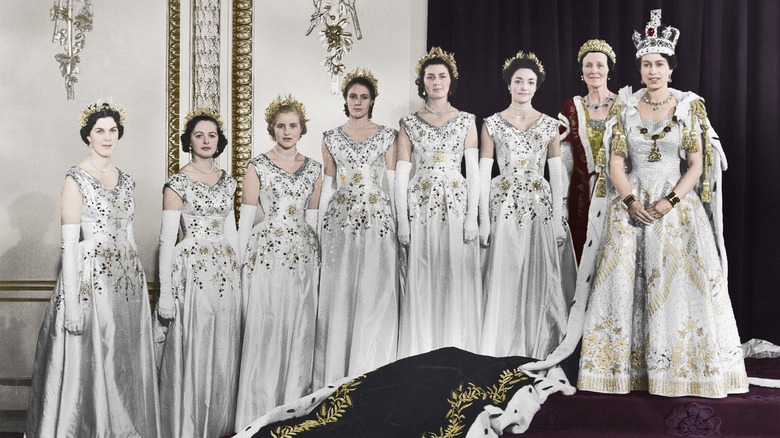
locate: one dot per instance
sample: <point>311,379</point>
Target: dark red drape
<point>728,52</point>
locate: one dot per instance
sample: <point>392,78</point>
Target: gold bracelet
<point>628,200</point>
<point>672,198</point>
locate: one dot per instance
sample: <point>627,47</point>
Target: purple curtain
<point>728,52</point>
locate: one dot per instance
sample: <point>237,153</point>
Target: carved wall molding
<point>241,86</point>
<point>173,85</point>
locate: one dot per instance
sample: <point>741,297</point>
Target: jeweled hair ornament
<point>596,45</point>
<point>437,52</point>
<point>202,111</point>
<point>656,40</point>
<point>522,55</point>
<point>98,107</point>
<point>280,102</point>
<point>360,73</point>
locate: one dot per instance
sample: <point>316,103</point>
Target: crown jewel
<point>97,107</point>
<point>437,52</point>
<point>522,55</point>
<point>202,111</point>
<point>360,73</point>
<point>656,40</point>
<point>596,46</point>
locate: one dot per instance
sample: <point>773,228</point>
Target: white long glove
<point>246,221</point>
<point>230,231</point>
<point>470,228</point>
<point>556,184</point>
<point>390,175</point>
<point>328,189</point>
<point>312,215</point>
<point>402,170</point>
<point>74,315</point>
<point>168,232</point>
<point>485,176</point>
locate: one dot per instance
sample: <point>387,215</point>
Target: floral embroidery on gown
<point>659,316</point>
<point>200,357</point>
<point>357,320</point>
<point>280,275</point>
<point>441,305</point>
<point>526,310</point>
<point>101,383</point>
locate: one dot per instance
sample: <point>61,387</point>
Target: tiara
<point>203,111</point>
<point>652,42</point>
<point>600,46</point>
<point>279,102</point>
<point>437,52</point>
<point>98,107</point>
<point>360,73</point>
<point>522,55</point>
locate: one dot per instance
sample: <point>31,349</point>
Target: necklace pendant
<point>655,153</point>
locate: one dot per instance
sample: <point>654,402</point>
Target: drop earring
<point>582,78</point>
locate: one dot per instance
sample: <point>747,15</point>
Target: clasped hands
<point>648,216</point>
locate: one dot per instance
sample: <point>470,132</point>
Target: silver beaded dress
<point>103,382</point>
<point>526,310</point>
<point>357,320</point>
<point>441,305</point>
<point>279,276</point>
<point>200,355</point>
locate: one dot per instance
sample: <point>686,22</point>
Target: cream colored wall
<point>124,58</point>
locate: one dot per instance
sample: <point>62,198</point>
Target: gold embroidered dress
<point>659,316</point>
<point>200,356</point>
<point>102,383</point>
<point>357,319</point>
<point>279,279</point>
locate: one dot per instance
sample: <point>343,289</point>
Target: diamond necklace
<point>655,105</point>
<point>597,106</point>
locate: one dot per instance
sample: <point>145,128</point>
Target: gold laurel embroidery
<point>461,399</point>
<point>330,412</point>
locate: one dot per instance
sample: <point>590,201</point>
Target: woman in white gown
<point>441,303</point>
<point>357,320</point>
<point>94,372</point>
<point>659,317</point>
<point>280,268</point>
<point>522,220</point>
<point>200,293</point>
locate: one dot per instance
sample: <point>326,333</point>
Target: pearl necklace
<point>522,113</point>
<point>361,126</point>
<point>597,106</point>
<point>655,105</point>
<point>284,157</point>
<point>199,170</point>
<point>437,113</point>
<point>97,168</point>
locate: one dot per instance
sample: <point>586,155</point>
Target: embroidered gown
<point>200,357</point>
<point>101,383</point>
<point>357,320</point>
<point>442,302</point>
<point>659,316</point>
<point>280,274</point>
<point>526,310</point>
